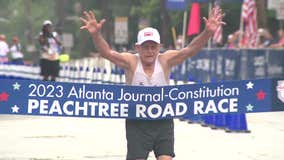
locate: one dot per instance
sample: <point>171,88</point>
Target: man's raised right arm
<point>94,28</point>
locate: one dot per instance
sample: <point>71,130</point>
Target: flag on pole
<point>218,35</point>
<point>193,26</point>
<point>249,12</point>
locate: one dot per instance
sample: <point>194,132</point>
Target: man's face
<point>48,28</point>
<point>148,51</point>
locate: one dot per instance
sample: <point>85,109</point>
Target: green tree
<point>24,18</point>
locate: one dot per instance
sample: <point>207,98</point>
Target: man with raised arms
<point>150,68</point>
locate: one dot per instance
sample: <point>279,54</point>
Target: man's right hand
<point>91,24</point>
<point>94,27</point>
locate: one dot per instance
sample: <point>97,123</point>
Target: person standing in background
<point>16,53</point>
<point>232,40</point>
<point>50,44</point>
<point>4,49</point>
<point>280,43</point>
<point>265,38</point>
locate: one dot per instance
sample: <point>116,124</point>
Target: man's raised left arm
<point>174,57</point>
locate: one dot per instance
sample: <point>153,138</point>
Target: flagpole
<point>241,29</point>
<point>174,37</point>
<point>209,10</point>
<point>184,28</point>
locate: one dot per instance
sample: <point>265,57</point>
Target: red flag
<point>193,26</point>
<point>218,37</point>
<point>249,13</point>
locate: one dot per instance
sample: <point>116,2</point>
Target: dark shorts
<point>49,68</point>
<point>146,136</point>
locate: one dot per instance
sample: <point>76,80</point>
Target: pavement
<point>64,138</point>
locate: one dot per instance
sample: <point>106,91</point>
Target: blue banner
<point>275,63</point>
<point>231,63</point>
<point>31,97</point>
<point>256,64</point>
<point>176,4</point>
<point>235,64</point>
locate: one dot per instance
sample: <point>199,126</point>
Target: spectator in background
<point>265,38</point>
<point>16,53</point>
<point>50,49</point>
<point>232,40</point>
<point>280,43</point>
<point>4,49</point>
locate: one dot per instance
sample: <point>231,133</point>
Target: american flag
<point>249,13</point>
<point>218,37</point>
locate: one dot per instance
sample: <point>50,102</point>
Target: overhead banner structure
<point>176,4</point>
<point>41,98</point>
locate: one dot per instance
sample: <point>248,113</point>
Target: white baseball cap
<point>148,34</point>
<point>46,22</point>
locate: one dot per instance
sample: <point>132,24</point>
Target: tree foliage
<point>24,18</point>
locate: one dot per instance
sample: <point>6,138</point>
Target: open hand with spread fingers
<point>214,20</point>
<point>90,22</point>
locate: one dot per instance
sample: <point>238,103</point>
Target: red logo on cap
<point>148,34</point>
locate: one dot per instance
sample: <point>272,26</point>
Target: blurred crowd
<point>14,48</point>
<point>264,39</point>
<point>52,52</point>
<point>12,51</point>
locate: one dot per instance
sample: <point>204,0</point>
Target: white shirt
<point>51,51</point>
<point>141,78</point>
<point>16,51</point>
<point>53,46</point>
<point>4,49</point>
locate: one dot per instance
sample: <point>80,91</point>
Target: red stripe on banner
<point>194,21</point>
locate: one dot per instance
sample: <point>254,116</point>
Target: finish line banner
<point>41,98</point>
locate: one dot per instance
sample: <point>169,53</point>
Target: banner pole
<point>184,28</point>
<point>241,29</point>
<point>209,10</point>
<point>174,37</point>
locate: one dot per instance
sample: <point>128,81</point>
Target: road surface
<point>64,138</point>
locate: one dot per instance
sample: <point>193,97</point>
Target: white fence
<point>87,70</point>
